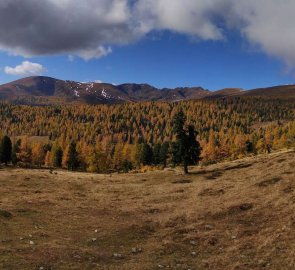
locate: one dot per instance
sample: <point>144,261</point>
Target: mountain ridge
<point>42,89</point>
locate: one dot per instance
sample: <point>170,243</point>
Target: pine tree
<point>126,152</point>
<point>186,148</point>
<point>249,146</point>
<point>239,147</point>
<point>146,154</point>
<point>25,151</point>
<point>91,160</point>
<point>135,154</point>
<point>15,151</point>
<point>210,153</point>
<point>5,150</point>
<point>127,166</point>
<point>177,147</point>
<point>164,153</point>
<point>261,146</point>
<point>193,147</point>
<point>175,152</point>
<point>57,156</point>
<point>118,156</point>
<point>70,158</point>
<point>156,154</point>
<point>38,154</point>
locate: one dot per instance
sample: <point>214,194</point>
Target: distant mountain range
<point>45,90</point>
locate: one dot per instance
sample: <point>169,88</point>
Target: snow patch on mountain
<point>105,94</point>
<point>76,93</point>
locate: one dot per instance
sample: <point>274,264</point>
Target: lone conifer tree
<point>186,150</point>
<point>57,156</point>
<point>5,150</point>
<point>71,157</point>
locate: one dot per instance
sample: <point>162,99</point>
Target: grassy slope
<point>236,215</point>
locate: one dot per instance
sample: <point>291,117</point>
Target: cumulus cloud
<point>98,52</point>
<point>268,24</point>
<point>186,16</point>
<point>89,28</point>
<point>25,69</point>
<point>73,27</point>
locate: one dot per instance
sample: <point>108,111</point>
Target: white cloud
<point>98,81</point>
<point>99,52</point>
<point>25,69</point>
<point>50,27</point>
<point>185,16</point>
<point>89,28</point>
<point>269,25</point>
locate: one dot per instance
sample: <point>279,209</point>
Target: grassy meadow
<point>233,215</point>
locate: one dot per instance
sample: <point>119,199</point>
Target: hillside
<point>283,91</point>
<point>234,215</point>
<point>45,90</point>
<point>107,137</point>
<point>227,92</point>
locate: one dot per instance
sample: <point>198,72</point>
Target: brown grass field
<point>234,215</point>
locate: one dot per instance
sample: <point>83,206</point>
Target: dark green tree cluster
<point>156,154</point>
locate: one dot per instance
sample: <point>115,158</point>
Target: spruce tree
<point>186,150</point>
<point>175,152</point>
<point>72,157</point>
<point>5,150</point>
<point>15,151</point>
<point>156,154</point>
<point>57,157</point>
<point>146,154</point>
<point>127,166</point>
<point>164,153</point>
<point>14,159</point>
<point>194,148</point>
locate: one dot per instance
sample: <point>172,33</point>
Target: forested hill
<point>106,136</point>
<point>49,91</point>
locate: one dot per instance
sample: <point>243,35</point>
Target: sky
<point>166,43</point>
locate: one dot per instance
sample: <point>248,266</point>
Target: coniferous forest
<point>105,138</point>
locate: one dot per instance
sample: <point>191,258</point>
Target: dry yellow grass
<point>234,215</point>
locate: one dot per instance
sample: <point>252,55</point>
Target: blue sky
<point>163,55</point>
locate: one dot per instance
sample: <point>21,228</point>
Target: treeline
<point>123,137</point>
<point>138,122</point>
<point>123,157</point>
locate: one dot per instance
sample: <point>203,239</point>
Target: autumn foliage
<point>106,138</point>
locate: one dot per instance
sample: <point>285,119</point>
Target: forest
<point>106,138</point>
